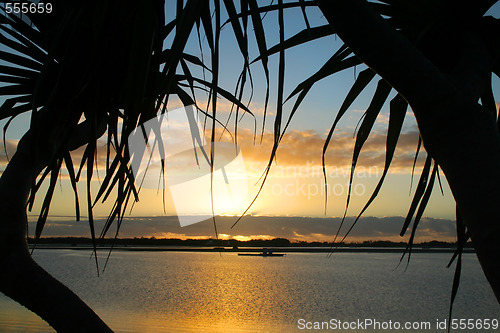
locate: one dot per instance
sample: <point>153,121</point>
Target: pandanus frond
<point>42,55</point>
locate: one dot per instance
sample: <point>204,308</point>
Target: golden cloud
<point>298,148</point>
<point>305,148</point>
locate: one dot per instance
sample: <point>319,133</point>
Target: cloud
<point>76,155</point>
<point>7,150</point>
<point>298,148</point>
<point>262,227</point>
<point>306,147</point>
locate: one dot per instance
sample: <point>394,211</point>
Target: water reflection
<point>208,292</point>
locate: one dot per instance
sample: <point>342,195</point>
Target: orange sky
<point>295,185</point>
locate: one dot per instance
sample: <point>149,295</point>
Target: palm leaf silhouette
<point>37,54</point>
<point>83,73</point>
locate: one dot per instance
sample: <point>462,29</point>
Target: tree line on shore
<point>275,242</point>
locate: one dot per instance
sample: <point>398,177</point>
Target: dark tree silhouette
<point>84,70</point>
<point>443,74</point>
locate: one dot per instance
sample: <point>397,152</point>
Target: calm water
<point>209,292</point>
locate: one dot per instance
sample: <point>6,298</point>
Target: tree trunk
<point>22,279</point>
<point>104,60</point>
<point>456,131</point>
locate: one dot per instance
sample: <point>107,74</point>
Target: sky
<point>291,203</point>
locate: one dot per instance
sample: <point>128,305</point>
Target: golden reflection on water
<point>189,292</point>
<point>196,292</point>
<point>184,292</point>
<point>231,294</point>
<point>15,318</point>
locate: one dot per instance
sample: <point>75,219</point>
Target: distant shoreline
<point>233,245</point>
<point>344,249</point>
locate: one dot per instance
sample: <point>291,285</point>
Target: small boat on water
<point>265,253</point>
